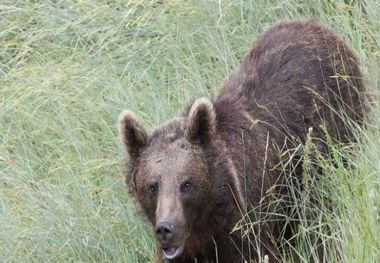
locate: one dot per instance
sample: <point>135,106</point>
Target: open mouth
<point>172,252</point>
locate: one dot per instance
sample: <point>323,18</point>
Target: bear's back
<point>297,75</point>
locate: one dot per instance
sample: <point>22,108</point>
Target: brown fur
<point>297,75</point>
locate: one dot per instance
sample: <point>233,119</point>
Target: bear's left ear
<point>201,122</point>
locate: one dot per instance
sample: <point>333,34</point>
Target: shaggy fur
<point>202,171</point>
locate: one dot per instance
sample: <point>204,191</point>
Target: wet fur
<point>297,75</point>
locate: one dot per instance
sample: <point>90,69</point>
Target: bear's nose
<point>164,232</point>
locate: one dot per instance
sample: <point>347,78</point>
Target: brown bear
<point>196,176</point>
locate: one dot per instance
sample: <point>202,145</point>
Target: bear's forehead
<point>171,154</point>
<point>171,158</point>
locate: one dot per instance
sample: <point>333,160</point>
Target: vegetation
<point>67,68</point>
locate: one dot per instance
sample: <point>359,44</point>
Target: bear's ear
<point>132,133</point>
<point>201,122</point>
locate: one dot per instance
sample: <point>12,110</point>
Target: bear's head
<point>169,174</point>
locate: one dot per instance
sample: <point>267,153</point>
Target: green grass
<point>67,68</point>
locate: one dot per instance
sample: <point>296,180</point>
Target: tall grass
<point>337,208</point>
<point>68,67</point>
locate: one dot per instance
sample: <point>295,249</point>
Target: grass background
<point>67,68</point>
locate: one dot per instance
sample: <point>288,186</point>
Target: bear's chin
<point>172,252</point>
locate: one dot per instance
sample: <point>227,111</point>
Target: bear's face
<point>173,188</point>
<point>169,175</point>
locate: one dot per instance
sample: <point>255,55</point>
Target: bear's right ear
<point>132,133</point>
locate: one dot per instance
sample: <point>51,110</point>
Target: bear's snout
<point>166,236</point>
<point>165,232</point>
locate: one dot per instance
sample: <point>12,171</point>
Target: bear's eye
<point>186,186</point>
<point>153,189</point>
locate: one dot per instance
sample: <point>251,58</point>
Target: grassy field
<point>67,68</point>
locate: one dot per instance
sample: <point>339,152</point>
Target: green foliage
<point>67,68</point>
